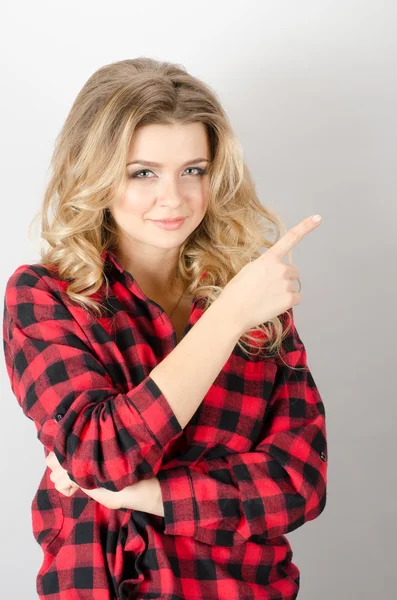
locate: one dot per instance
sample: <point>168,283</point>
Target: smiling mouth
<point>168,220</point>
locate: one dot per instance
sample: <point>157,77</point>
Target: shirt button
<point>58,417</point>
<point>323,456</point>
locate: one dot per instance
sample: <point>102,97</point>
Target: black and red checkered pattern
<point>248,468</point>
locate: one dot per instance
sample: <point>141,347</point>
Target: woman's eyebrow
<point>154,164</point>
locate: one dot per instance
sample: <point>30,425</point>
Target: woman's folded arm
<point>267,492</point>
<point>101,437</point>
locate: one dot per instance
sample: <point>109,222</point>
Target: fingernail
<point>316,218</point>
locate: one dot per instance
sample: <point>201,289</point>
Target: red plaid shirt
<point>248,468</point>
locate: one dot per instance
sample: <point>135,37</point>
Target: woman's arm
<point>144,495</point>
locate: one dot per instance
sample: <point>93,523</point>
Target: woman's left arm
<point>145,495</point>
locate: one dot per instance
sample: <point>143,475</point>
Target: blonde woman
<point>184,434</point>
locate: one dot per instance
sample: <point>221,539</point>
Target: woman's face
<point>178,187</point>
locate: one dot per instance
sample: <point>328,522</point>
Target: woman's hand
<point>144,496</point>
<point>60,477</point>
<point>264,288</point>
<point>67,487</point>
<point>113,500</point>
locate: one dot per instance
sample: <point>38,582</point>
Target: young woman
<point>184,434</point>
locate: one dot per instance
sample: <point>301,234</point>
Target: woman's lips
<point>169,224</point>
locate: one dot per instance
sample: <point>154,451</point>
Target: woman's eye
<point>200,171</point>
<point>138,173</point>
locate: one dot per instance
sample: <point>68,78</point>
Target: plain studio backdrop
<point>310,89</point>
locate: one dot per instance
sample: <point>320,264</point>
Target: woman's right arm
<point>188,372</point>
<point>101,437</point>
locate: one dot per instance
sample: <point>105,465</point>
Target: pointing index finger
<point>281,248</point>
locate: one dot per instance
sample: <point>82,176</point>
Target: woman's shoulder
<point>33,272</point>
<point>33,284</point>
<point>35,275</point>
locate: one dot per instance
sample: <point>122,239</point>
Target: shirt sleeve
<point>101,437</point>
<point>269,491</point>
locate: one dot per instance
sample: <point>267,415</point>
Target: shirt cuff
<point>156,412</point>
<point>180,509</point>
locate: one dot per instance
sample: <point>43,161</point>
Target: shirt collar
<point>110,257</point>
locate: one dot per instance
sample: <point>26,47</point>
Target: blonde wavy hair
<point>89,172</point>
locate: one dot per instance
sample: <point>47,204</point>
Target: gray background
<point>310,88</point>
